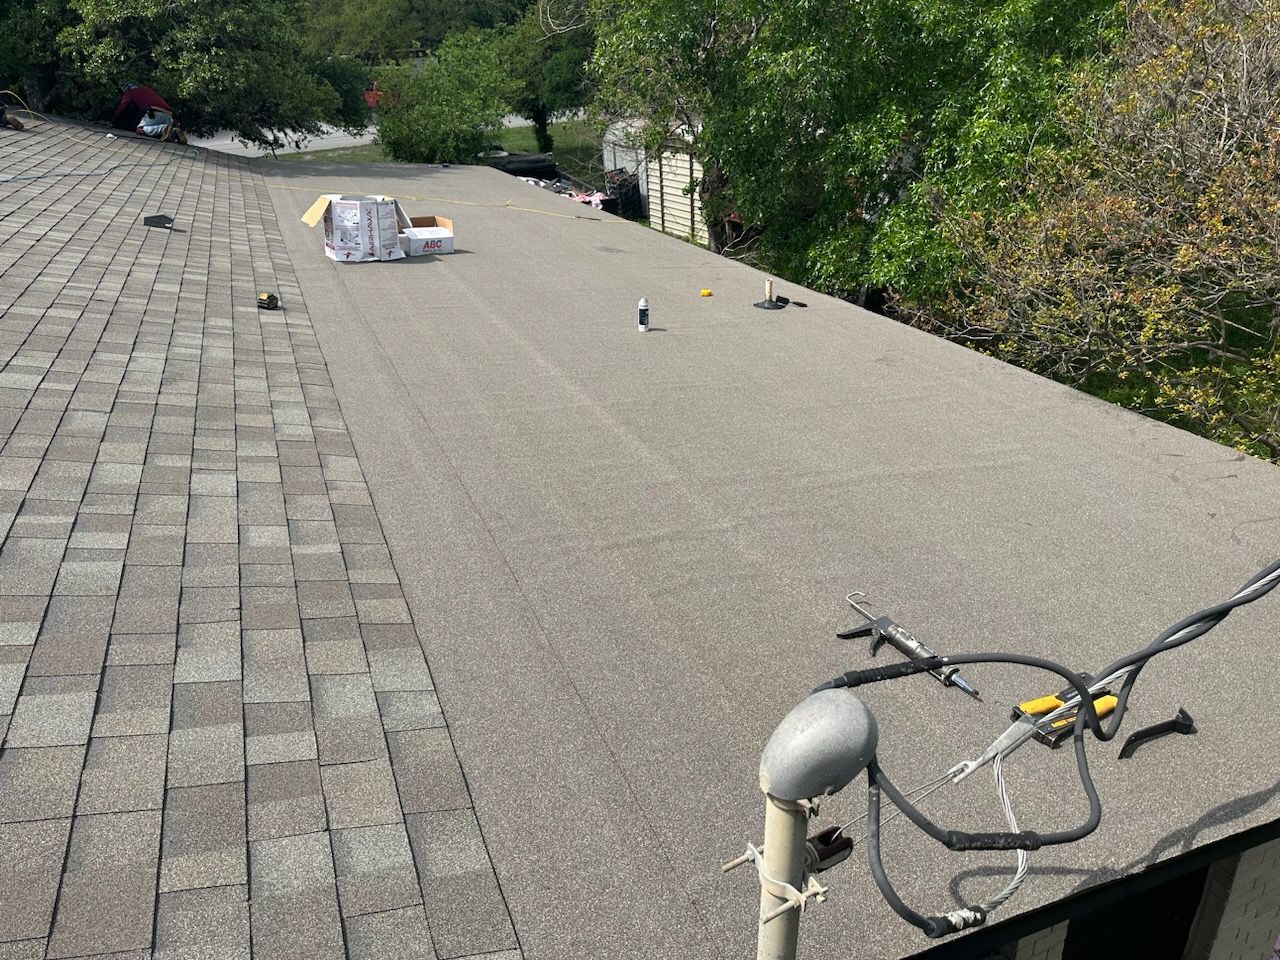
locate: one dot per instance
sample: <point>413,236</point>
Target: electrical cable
<point>1182,632</point>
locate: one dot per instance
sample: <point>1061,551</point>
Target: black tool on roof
<point>268,301</point>
<point>162,220</point>
<point>882,630</point>
<point>1181,723</point>
<point>1080,699</point>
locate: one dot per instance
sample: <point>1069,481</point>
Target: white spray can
<point>642,315</point>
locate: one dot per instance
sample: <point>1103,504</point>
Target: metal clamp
<point>795,899</point>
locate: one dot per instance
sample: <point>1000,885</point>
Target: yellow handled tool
<point>1057,731</point>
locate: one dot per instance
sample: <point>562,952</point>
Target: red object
<point>372,96</point>
<point>134,102</point>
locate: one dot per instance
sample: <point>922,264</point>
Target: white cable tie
<point>795,899</point>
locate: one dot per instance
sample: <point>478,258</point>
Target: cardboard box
<point>425,235</point>
<point>358,229</point>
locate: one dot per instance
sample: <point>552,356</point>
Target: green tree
<point>551,67</point>
<point>837,135</point>
<point>236,64</point>
<point>449,106</point>
<point>442,18</point>
<point>381,30</point>
<point>28,49</point>
<point>368,29</point>
<point>1144,263</point>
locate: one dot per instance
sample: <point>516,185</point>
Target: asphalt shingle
<point>107,899</point>
<point>375,869</point>
<point>275,668</point>
<point>207,743</point>
<point>134,700</point>
<point>346,715</point>
<point>360,794</point>
<point>211,924</point>
<point>279,733</point>
<point>204,838</point>
<point>284,799</point>
<point>38,783</point>
<point>294,900</point>
<point>463,902</point>
<point>180,505</point>
<point>123,774</point>
<point>29,874</point>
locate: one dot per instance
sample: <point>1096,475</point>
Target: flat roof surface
<point>232,534</point>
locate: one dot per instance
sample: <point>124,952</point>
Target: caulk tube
<point>642,315</point>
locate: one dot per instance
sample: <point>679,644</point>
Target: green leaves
<point>449,106</point>
<point>826,118</point>
<point>232,64</point>
<point>1142,263</point>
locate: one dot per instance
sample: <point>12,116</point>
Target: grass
<point>367,153</point>
<point>575,144</point>
<point>576,147</point>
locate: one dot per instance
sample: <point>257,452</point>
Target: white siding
<point>672,209</point>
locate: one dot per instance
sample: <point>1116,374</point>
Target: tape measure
<point>268,301</point>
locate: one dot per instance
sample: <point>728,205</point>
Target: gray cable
<point>1020,874</point>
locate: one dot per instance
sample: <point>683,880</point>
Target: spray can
<point>642,315</point>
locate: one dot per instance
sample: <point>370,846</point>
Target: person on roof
<point>144,111</point>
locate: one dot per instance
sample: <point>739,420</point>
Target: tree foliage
<point>369,29</point>
<point>1145,262</point>
<point>448,106</point>
<point>551,66</point>
<point>835,130</point>
<point>236,64</point>
<point>380,30</point>
<point>28,47</point>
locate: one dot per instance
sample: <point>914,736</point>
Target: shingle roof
<point>219,728</point>
<point>624,555</point>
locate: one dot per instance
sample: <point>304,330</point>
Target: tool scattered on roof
<point>268,301</point>
<point>161,220</point>
<point>825,742</point>
<point>882,630</point>
<point>642,315</point>
<point>704,292</point>
<point>1054,733</point>
<point>1181,723</point>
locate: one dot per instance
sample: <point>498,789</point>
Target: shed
<point>674,205</point>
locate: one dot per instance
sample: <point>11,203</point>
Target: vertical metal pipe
<point>784,845</point>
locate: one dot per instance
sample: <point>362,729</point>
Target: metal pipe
<point>785,824</point>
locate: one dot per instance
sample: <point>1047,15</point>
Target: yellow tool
<point>704,292</point>
<point>1057,731</point>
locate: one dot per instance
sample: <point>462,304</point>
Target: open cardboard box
<point>358,229</point>
<point>425,235</point>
